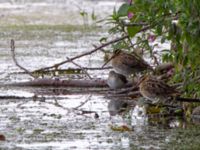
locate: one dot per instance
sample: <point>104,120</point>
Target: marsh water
<point>47,32</point>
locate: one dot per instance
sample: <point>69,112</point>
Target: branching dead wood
<point>12,46</point>
<point>83,54</point>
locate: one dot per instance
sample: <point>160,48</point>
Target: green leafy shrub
<point>173,21</point>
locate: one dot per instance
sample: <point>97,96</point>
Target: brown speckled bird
<point>128,64</point>
<point>156,90</point>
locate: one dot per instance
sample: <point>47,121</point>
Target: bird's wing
<point>130,60</point>
<point>161,88</point>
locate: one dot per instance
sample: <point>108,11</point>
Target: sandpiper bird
<point>115,80</point>
<point>128,64</point>
<point>155,90</point>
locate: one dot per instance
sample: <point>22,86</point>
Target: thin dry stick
<point>81,68</point>
<point>97,68</point>
<point>84,102</point>
<point>12,46</point>
<point>134,24</point>
<point>102,50</point>
<point>84,54</point>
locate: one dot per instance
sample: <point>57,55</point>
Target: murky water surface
<point>46,32</point>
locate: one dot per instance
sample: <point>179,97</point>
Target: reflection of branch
<point>74,110</point>
<point>83,103</point>
<point>84,54</point>
<point>12,46</point>
<point>84,70</point>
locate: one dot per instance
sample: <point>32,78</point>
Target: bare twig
<point>97,68</point>
<point>83,103</point>
<point>12,46</point>
<point>84,70</point>
<point>155,60</point>
<point>104,51</point>
<point>134,24</point>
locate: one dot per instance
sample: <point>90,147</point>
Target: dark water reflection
<point>69,122</point>
<point>59,123</point>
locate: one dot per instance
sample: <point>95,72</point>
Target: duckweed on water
<point>37,131</point>
<point>20,130</point>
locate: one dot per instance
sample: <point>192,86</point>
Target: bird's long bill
<point>108,61</point>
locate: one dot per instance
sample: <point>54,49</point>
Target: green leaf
<point>83,13</point>
<point>159,29</point>
<point>123,10</point>
<point>163,39</point>
<point>132,31</point>
<point>93,16</point>
<point>120,45</point>
<point>103,39</point>
<point>132,9</point>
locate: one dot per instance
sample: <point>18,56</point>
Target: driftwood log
<point>61,83</point>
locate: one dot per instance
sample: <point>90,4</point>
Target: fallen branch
<point>12,46</point>
<point>61,83</point>
<point>84,71</point>
<point>81,55</point>
<point>70,59</point>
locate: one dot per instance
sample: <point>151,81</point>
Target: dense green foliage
<point>166,21</point>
